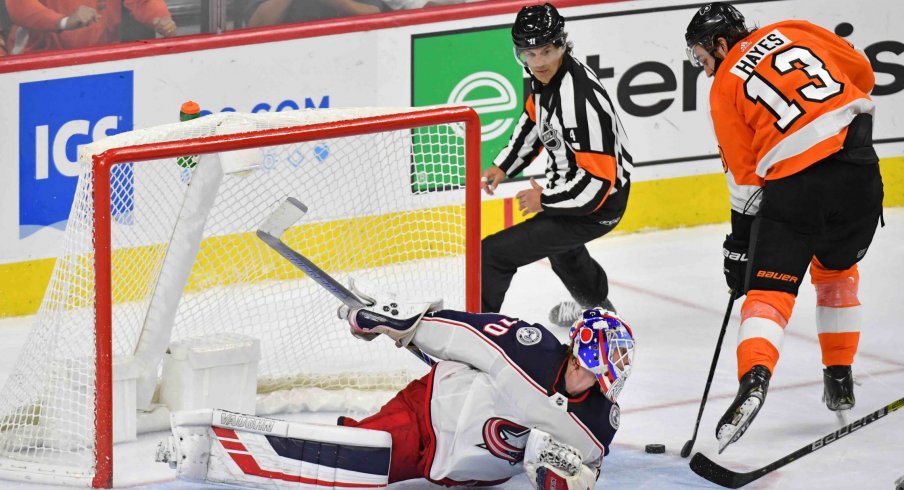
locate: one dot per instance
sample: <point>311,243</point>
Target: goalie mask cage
<point>160,247</point>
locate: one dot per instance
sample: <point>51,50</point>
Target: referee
<point>588,171</point>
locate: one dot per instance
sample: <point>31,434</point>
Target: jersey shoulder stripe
<point>784,97</point>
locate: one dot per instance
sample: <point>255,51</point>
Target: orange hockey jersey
<point>782,100</point>
<point>35,22</point>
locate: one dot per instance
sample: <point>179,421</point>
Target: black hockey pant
<point>829,211</point>
<point>561,239</point>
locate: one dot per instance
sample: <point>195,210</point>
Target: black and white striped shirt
<point>583,137</point>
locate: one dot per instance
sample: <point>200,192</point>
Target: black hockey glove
<point>735,266</point>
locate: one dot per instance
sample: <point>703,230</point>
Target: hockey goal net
<point>160,246</point>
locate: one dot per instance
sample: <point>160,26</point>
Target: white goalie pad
<point>234,449</point>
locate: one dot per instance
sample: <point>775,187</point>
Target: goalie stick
<point>686,450</point>
<point>271,231</point>
<point>720,475</point>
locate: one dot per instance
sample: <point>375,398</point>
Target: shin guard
<point>838,313</point>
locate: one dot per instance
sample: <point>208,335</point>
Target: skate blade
<point>843,417</point>
<point>748,410</point>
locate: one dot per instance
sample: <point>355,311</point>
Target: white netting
<point>386,206</point>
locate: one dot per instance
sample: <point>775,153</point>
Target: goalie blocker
<point>236,449</point>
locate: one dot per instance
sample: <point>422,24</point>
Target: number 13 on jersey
<point>819,87</point>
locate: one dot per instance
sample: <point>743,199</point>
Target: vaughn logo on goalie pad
<point>246,422</point>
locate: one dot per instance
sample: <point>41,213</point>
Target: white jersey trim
<point>838,320</point>
<point>590,191</point>
<point>757,327</point>
<point>744,198</point>
<point>566,92</point>
<point>818,130</point>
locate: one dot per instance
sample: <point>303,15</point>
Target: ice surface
<point>668,285</point>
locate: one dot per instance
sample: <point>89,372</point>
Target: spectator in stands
<point>270,12</point>
<point>416,4</point>
<point>4,28</point>
<point>59,24</point>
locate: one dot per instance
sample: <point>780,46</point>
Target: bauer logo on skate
<point>56,117</point>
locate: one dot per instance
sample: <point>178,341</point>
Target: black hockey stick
<point>720,475</point>
<point>686,450</point>
<point>287,214</point>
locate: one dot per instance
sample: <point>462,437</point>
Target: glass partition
<point>30,26</point>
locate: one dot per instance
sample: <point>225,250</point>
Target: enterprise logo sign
<point>502,99</point>
<point>55,118</point>
<point>489,79</point>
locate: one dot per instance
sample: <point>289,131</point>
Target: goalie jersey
<point>500,378</point>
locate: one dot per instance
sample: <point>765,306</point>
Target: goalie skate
<point>566,313</point>
<point>750,399</point>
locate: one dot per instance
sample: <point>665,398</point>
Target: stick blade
<point>287,214</point>
<point>686,449</point>
<point>719,475</point>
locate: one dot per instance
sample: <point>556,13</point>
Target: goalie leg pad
<point>268,453</point>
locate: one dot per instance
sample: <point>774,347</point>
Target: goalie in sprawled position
<point>505,397</point>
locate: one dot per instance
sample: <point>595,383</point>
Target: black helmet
<point>713,20</point>
<point>537,25</point>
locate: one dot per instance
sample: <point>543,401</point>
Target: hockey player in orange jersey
<point>793,117</point>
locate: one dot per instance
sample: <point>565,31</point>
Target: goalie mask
<point>604,345</point>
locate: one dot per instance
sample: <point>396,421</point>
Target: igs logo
<point>55,118</point>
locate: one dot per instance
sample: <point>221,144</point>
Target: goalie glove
<point>550,464</point>
<point>384,314</point>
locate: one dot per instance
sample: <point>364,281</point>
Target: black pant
<point>561,239</point>
<point>829,210</point>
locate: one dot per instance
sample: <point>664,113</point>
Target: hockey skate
<point>566,313</point>
<point>838,393</point>
<point>750,399</point>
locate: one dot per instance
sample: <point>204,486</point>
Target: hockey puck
<point>655,448</point>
